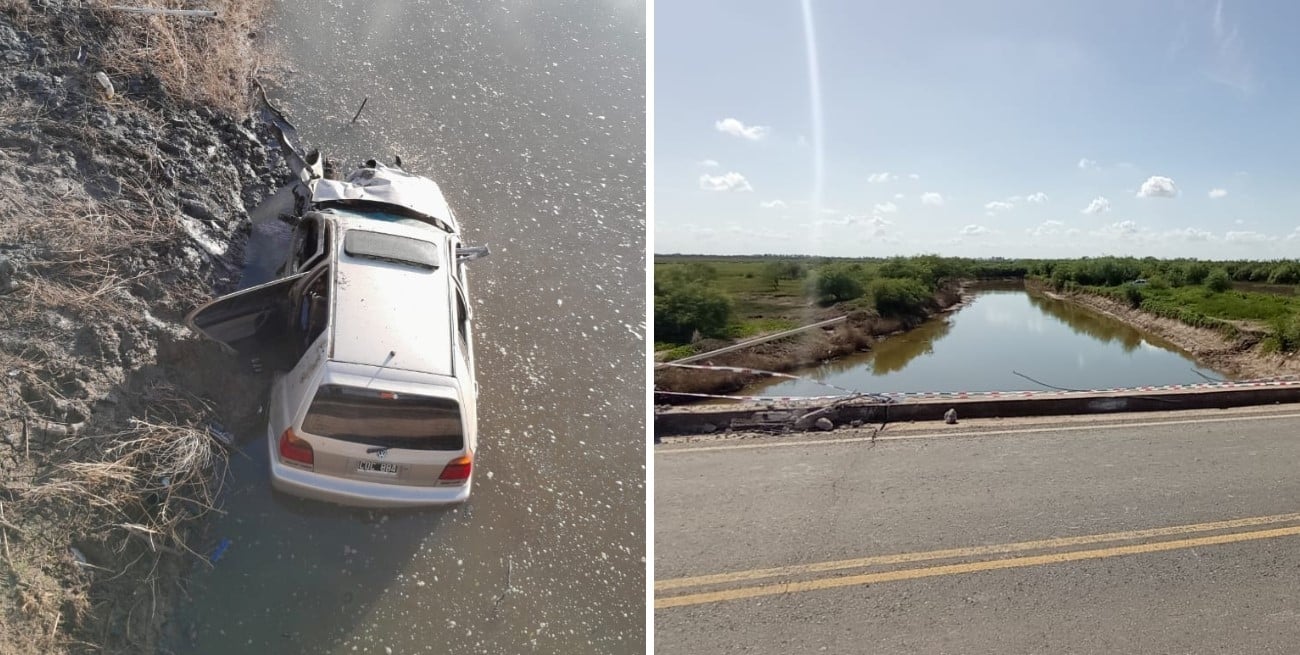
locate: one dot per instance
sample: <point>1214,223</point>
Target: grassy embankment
<point>106,466</point>
<point>1199,294</point>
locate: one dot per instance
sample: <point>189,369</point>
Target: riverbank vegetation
<point>702,298</point>
<point>737,297</point>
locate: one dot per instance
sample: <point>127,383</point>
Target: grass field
<point>1228,305</point>
<point>760,305</point>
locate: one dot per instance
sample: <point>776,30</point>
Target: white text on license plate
<point>386,468</point>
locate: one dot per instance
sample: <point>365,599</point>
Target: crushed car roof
<point>377,183</point>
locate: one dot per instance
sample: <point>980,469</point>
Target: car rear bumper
<point>358,493</point>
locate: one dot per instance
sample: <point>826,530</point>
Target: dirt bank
<point>857,334</point>
<point>120,211</point>
<point>1239,357</point>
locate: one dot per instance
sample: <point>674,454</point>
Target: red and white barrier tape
<point>1289,380</point>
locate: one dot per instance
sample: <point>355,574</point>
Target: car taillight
<point>457,470</point>
<point>296,449</point>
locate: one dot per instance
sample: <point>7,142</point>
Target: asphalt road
<point>1178,533</point>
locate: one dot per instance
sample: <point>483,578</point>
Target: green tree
<point>897,297</point>
<point>684,308</point>
<point>781,270</point>
<point>1218,281</point>
<point>834,283</point>
<point>1194,272</point>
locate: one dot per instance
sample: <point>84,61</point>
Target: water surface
<point>531,117</point>
<point>1003,332</point>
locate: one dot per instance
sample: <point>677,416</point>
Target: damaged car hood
<point>385,185</point>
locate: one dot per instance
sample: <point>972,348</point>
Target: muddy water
<point>531,116</point>
<point>981,347</point>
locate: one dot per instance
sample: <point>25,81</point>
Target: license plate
<point>385,468</point>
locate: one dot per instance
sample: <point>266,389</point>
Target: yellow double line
<point>737,593</point>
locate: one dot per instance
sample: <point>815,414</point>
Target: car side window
<point>309,243</point>
<point>462,321</point>
<point>312,316</point>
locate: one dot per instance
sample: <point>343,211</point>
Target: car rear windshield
<point>390,247</point>
<point>380,418</point>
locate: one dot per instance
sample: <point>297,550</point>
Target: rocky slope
<point>119,212</point>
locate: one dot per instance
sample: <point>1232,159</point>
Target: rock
<point>708,428</point>
<point>197,210</point>
<point>824,423</point>
<point>950,417</point>
<point>104,83</point>
<point>9,39</point>
<point>7,271</point>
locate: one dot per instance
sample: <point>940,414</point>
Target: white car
<point>368,334</point>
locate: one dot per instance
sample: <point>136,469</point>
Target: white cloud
<point>1158,186</point>
<point>876,225</point>
<point>913,176</point>
<point>1037,198</point>
<point>872,226</point>
<point>772,204</point>
<point>1218,193</point>
<point>1087,164</point>
<point>1120,229</point>
<point>731,181</point>
<point>736,128</point>
<point>732,232</point>
<point>974,230</point>
<point>931,198</point>
<point>881,178</point>
<point>1047,228</point>
<point>1246,237</point>
<point>1191,234</point>
<point>710,163</point>
<point>898,196</point>
<point>1099,205</point>
<point>998,206</point>
<point>886,207</point>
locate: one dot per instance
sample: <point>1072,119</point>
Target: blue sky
<point>980,129</point>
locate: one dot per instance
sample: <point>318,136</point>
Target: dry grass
<point>132,496</point>
<point>152,478</point>
<point>206,61</point>
<point>83,267</point>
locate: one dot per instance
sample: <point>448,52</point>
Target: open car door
<point>254,322</point>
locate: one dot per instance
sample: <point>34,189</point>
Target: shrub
<point>1283,334</point>
<point>1195,272</point>
<point>688,307</point>
<point>1132,295</point>
<point>781,270</point>
<point>1218,281</point>
<point>832,284</point>
<point>896,297</point>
